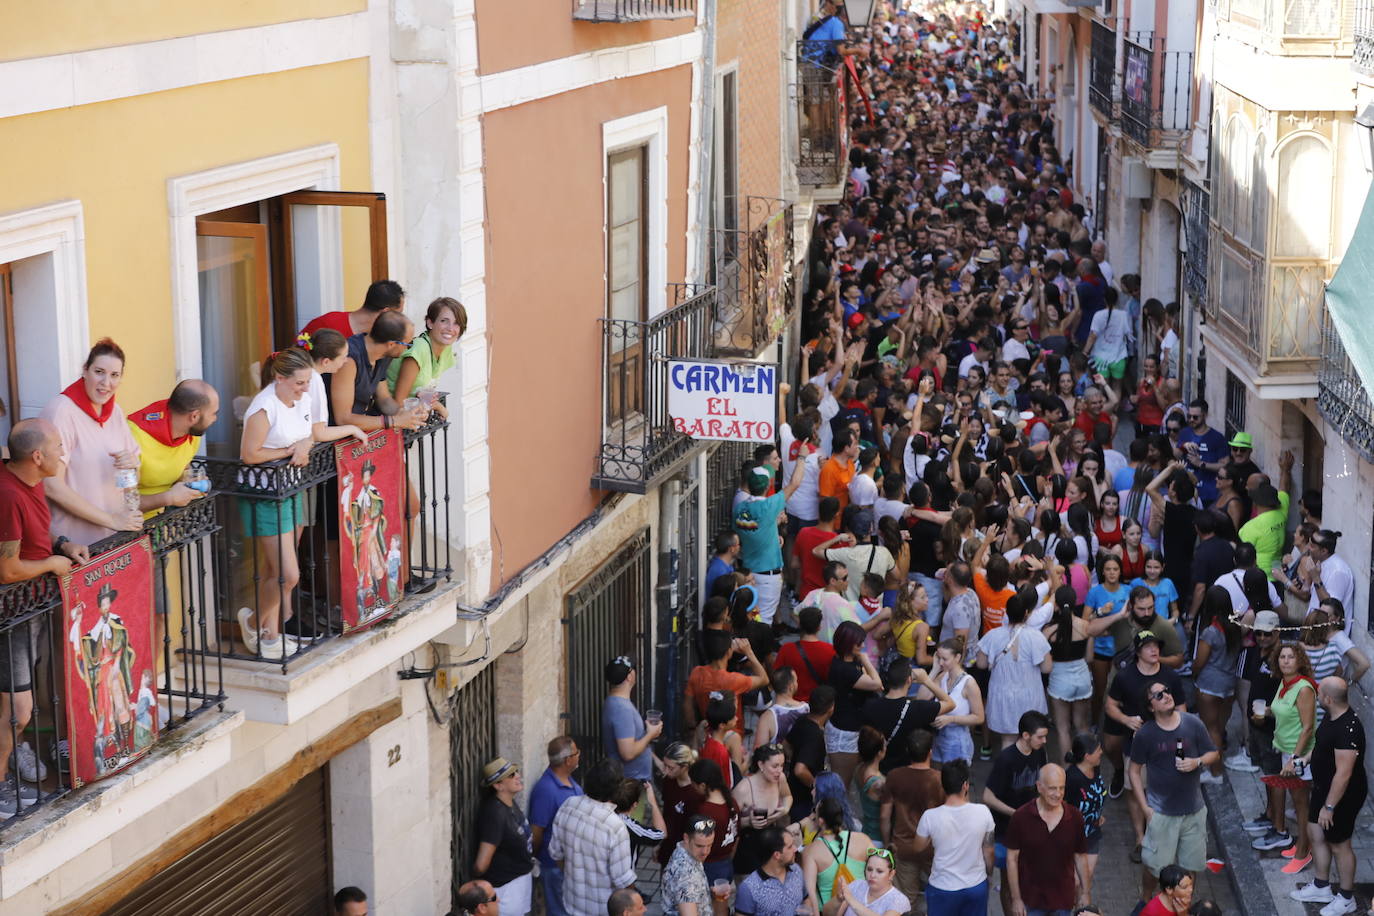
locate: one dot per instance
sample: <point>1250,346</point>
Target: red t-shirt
<point>820,654</point>
<point>1086,421</point>
<point>337,321</point>
<point>714,750</point>
<point>1156,907</point>
<point>24,516</point>
<point>812,566</point>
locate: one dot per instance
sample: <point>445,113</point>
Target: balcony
<point>632,10</point>
<point>1156,97</point>
<point>822,120</point>
<point>1196,203</point>
<point>1102,89</point>
<point>1362,55</point>
<point>754,280</point>
<point>638,442</point>
<point>1341,396</point>
<point>189,677</point>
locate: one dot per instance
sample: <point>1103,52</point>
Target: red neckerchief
<point>1297,679</point>
<point>156,421</point>
<point>76,391</point>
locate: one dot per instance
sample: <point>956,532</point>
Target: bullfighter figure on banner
<point>106,662</point>
<point>365,524</point>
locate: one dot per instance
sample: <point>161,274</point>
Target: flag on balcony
<point>1348,298</point>
<point>373,526</point>
<point>110,661</point>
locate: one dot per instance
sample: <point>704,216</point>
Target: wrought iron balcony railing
<point>638,442</point>
<point>1196,204</point>
<point>822,141</point>
<point>1102,89</point>
<point>1156,93</point>
<point>632,10</point>
<point>1362,55</point>
<point>1341,395</point>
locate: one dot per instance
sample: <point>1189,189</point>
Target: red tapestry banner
<point>372,526</point>
<point>110,661</point>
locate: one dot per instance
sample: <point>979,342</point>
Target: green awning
<point>1350,295</point>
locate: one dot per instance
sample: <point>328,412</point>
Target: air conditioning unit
<point>1137,182</point>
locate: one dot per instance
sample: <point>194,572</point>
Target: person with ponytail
<point>716,803</point>
<point>1070,686</point>
<point>1086,790</point>
<point>680,796</point>
<point>281,424</point>
<point>431,354</point>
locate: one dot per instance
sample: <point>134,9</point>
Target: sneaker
<point>31,769</point>
<point>1240,762</point>
<point>11,800</point>
<point>1118,784</point>
<point>247,631</point>
<point>1310,893</point>
<point>1273,840</point>
<point>1339,906</point>
<point>60,754</point>
<point>1259,826</point>
<point>275,648</point>
<point>1211,779</point>
<point>985,753</point>
<point>1297,865</point>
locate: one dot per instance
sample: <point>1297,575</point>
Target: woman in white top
<point>282,422</point>
<point>1108,342</point>
<point>873,895</point>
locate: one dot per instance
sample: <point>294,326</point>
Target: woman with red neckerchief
<point>86,503</point>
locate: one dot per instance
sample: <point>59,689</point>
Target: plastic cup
<point>1259,707</point>
<point>428,396</point>
<point>410,404</point>
<point>721,888</point>
<point>653,716</point>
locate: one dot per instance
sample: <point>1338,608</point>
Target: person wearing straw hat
<point>505,851</point>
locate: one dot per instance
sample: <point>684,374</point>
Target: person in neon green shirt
<point>1266,530</point>
<point>431,354</point>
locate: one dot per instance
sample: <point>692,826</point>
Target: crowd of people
<point>83,470</point>
<point>948,557</point>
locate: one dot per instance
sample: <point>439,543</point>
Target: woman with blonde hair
<point>679,795</point>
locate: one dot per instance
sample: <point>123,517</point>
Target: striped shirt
<point>593,844</point>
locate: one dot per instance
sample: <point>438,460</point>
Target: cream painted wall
<point>116,158</point>
<point>40,29</point>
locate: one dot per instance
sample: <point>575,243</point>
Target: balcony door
<point>627,275</point>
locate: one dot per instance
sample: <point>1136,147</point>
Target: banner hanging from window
<point>372,527</point>
<point>110,661</point>
<point>730,402</point>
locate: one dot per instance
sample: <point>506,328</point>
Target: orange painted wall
<point>747,34</point>
<point>517,33</point>
<point>545,291</point>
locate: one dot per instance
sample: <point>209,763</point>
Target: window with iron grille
<point>472,742</point>
<point>606,616</point>
<point>1235,405</point>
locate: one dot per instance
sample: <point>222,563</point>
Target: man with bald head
<point>26,552</point>
<point>168,435</point>
<point>1047,851</point>
<point>478,898</point>
<point>1339,786</point>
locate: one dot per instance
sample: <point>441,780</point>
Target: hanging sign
<point>731,402</point>
<point>372,527</point>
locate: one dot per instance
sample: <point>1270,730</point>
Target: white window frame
<point>190,196</point>
<point>57,230</point>
<point>648,129</point>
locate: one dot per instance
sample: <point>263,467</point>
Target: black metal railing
<point>1196,202</point>
<point>32,628</point>
<point>1341,395</point>
<point>632,10</point>
<point>1362,54</point>
<point>1102,69</point>
<point>821,140</point>
<point>292,585</point>
<point>1156,94</point>
<point>754,278</point>
<point>638,441</point>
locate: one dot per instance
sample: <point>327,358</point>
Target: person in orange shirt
<point>716,675</point>
<point>837,472</point>
<point>991,581</point>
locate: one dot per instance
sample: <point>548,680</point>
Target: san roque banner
<point>732,402</point>
<point>110,661</point>
<point>372,527</point>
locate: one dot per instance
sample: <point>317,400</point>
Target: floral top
<point>684,881</point>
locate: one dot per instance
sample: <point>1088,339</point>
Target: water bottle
<point>126,479</point>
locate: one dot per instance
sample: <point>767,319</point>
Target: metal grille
<point>1195,205</point>
<point>1341,396</point>
<point>1362,55</point>
<point>755,279</point>
<point>472,742</point>
<point>1102,68</point>
<point>821,153</point>
<point>632,10</point>
<point>722,480</point>
<point>1235,405</point>
<point>608,615</point>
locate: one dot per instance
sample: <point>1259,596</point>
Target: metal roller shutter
<point>276,863</point>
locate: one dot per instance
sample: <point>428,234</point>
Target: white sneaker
<point>247,631</point>
<point>1310,893</point>
<point>1211,779</point>
<point>278,647</point>
<point>1339,906</point>
<point>31,769</point>
<point>1240,762</point>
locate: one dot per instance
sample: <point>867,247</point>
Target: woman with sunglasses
<point>763,800</point>
<point>874,894</point>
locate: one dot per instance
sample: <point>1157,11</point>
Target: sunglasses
<point>701,824</point>
<point>1157,694</point>
<point>882,854</point>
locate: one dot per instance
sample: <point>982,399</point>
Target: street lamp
<point>859,12</point>
<point>1365,121</point>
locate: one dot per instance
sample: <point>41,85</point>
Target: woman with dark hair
<point>835,856</point>
<point>717,804</point>
<point>1107,527</point>
<point>1135,504</point>
<point>1079,520</point>
<point>1110,597</point>
<point>1070,686</point>
<point>1086,790</point>
<point>869,779</point>
<point>1016,655</point>
<point>764,800</point>
<point>1175,893</point>
<point>1215,662</point>
<point>1093,469</point>
<point>855,680</point>
<point>1231,500</point>
<point>430,354</point>
<point>1132,550</point>
<point>1328,648</point>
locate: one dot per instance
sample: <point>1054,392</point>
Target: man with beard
<point>168,434</point>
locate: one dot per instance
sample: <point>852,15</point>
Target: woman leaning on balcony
<point>282,422</point>
<point>430,355</point>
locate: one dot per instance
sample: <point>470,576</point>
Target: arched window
<point>1238,176</point>
<point>1304,199</point>
<point>1259,198</point>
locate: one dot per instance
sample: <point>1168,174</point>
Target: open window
<point>627,270</point>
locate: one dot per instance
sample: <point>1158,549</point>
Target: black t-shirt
<point>1012,780</point>
<point>1177,536</point>
<point>1212,559</point>
<point>925,534</point>
<point>886,715</point>
<point>1264,683</point>
<point>1129,686</point>
<point>808,748</point>
<point>849,702</point>
<point>505,828</point>
<point>1344,733</point>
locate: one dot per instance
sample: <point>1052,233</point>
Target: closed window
<point>1304,198</point>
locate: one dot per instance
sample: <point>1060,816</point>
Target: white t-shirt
<point>319,400</point>
<point>957,833</point>
<point>968,362</point>
<point>888,508</point>
<point>285,425</point>
<point>863,490</point>
<point>1013,350</point>
<point>1232,580</point>
<point>785,440</point>
<point>806,499</point>
<point>1339,582</point>
<point>1112,327</point>
<point>829,409</point>
<point>893,900</point>
<point>1168,354</point>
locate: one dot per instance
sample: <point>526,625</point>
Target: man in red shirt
<point>1097,408</point>
<point>809,657</point>
<point>1046,851</point>
<point>26,552</point>
<point>803,548</point>
<point>382,295</point>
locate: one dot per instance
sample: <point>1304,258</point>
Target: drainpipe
<point>705,199</point>
<point>669,496</point>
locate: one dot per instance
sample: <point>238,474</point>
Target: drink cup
<point>428,395</point>
<point>1259,707</point>
<point>721,888</point>
<point>653,716</point>
<point>410,404</point>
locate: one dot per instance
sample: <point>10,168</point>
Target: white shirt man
<point>961,833</point>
